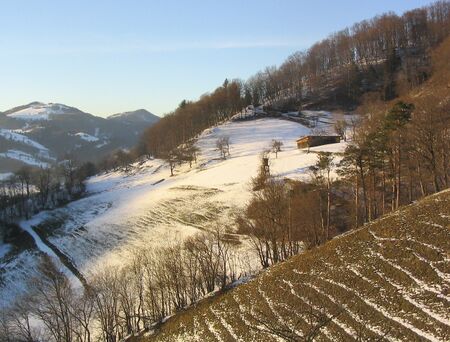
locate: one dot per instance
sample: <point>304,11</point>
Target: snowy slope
<point>38,155</point>
<point>39,111</point>
<point>14,136</point>
<point>24,157</point>
<point>137,116</point>
<point>147,207</point>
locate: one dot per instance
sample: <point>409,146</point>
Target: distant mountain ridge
<point>138,115</point>
<point>65,131</point>
<point>41,111</point>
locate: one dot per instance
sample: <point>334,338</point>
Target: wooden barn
<point>317,140</point>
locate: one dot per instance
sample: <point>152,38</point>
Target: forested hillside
<point>385,57</point>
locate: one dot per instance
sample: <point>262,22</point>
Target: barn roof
<point>316,136</point>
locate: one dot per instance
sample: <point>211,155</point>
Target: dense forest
<point>30,190</point>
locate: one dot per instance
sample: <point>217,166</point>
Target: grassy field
<point>388,281</point>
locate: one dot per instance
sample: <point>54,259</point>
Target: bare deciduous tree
<point>223,146</point>
<point>340,127</point>
<point>276,147</point>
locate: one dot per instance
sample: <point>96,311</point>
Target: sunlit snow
<point>148,207</point>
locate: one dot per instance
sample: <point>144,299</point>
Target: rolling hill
<point>38,134</point>
<point>146,207</point>
<point>389,280</point>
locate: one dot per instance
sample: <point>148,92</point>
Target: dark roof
<point>317,136</point>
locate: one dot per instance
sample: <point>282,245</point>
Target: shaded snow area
<point>387,281</point>
<point>6,175</point>
<point>39,111</point>
<point>147,207</point>
<point>86,137</point>
<point>24,157</point>
<point>103,143</point>
<point>11,135</point>
<point>4,249</point>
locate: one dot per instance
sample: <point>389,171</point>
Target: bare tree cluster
<point>282,217</point>
<point>30,190</point>
<point>125,300</point>
<point>191,118</point>
<point>118,160</point>
<point>388,54</point>
<point>185,153</point>
<point>223,146</point>
<point>63,313</point>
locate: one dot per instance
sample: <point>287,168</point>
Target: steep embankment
<point>390,279</point>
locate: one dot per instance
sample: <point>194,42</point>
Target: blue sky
<point>111,56</point>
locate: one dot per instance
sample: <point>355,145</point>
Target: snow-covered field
<point>14,136</point>
<point>41,155</point>
<point>147,207</point>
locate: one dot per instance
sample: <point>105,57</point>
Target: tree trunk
<point>356,201</point>
<point>328,206</point>
<point>397,197</point>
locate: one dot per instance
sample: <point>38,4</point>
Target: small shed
<point>317,140</point>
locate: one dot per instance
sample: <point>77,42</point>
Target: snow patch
<point>14,136</point>
<point>5,176</point>
<point>39,111</point>
<point>24,157</point>
<point>86,137</point>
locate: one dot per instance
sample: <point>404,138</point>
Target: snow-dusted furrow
<point>412,301</point>
<point>274,311</point>
<point>225,324</point>
<point>435,288</point>
<point>348,330</point>
<point>383,311</point>
<point>435,225</point>
<point>427,245</point>
<point>406,240</point>
<point>419,306</point>
<point>402,290</point>
<point>379,238</point>
<point>445,277</point>
<point>213,330</point>
<point>242,310</point>
<point>356,318</point>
